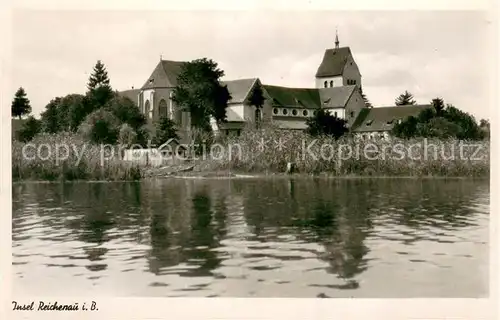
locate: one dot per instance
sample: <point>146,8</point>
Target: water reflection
<point>325,234</point>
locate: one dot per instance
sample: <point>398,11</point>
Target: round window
<point>294,112</point>
<point>305,113</point>
<point>275,111</point>
<point>285,111</point>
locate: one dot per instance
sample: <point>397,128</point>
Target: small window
<point>335,114</point>
<point>369,122</point>
<point>326,84</point>
<point>315,112</point>
<point>294,112</point>
<point>331,84</point>
<point>305,113</point>
<point>285,111</point>
<point>390,121</point>
<point>238,132</point>
<point>151,80</point>
<point>275,110</point>
<point>352,114</point>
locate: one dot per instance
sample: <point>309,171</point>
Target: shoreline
<point>215,175</point>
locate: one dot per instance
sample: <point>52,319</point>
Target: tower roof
<point>334,61</point>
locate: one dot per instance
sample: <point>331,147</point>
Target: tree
<point>469,129</point>
<point>200,92</point>
<point>99,89</point>
<point>29,129</point>
<point>101,126</point>
<point>438,105</point>
<point>64,113</point>
<point>405,99</point>
<point>50,117</point>
<point>78,107</point>
<point>484,125</point>
<point>440,122</point>
<point>126,111</point>
<point>21,104</point>
<point>406,129</point>
<point>165,130</point>
<point>438,127</point>
<point>256,97</point>
<point>127,136</point>
<point>323,123</point>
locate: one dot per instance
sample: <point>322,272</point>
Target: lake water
<point>379,238</point>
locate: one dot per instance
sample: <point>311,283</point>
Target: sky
<point>428,53</point>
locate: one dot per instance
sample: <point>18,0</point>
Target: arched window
<point>331,83</point>
<point>258,117</point>
<point>163,109</point>
<point>326,84</point>
<point>147,109</point>
<point>178,116</point>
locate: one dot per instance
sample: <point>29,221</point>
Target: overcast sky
<point>430,54</point>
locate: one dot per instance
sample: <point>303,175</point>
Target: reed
<point>269,150</point>
<point>46,158</point>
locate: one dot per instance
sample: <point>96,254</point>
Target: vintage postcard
<point>166,160</point>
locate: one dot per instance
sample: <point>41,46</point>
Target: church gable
<point>336,97</point>
<point>164,75</point>
<point>240,89</point>
<point>334,61</point>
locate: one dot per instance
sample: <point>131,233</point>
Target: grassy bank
<point>263,152</point>
<point>46,158</point>
<point>269,151</point>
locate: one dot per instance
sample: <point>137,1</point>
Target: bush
<point>127,135</point>
<point>101,126</point>
<point>29,129</point>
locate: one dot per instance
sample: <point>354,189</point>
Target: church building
<point>337,90</point>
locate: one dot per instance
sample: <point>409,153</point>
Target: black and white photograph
<point>325,154</point>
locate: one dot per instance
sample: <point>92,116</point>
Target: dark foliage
<point>323,123</point>
<point>21,104</point>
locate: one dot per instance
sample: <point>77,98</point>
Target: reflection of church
<point>338,84</point>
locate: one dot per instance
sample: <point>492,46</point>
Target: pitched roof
<point>164,75</point>
<point>166,72</point>
<point>334,61</point>
<point>239,89</point>
<point>131,94</point>
<point>335,97</point>
<point>294,97</point>
<point>291,124</point>
<point>384,118</point>
<point>232,116</point>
